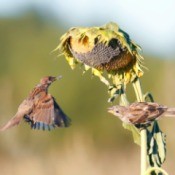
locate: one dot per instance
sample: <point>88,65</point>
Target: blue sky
<point>151,23</point>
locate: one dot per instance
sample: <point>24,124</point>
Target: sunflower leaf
<point>156,146</point>
<point>135,132</point>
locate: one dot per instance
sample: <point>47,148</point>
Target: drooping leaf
<point>135,132</point>
<point>156,146</point>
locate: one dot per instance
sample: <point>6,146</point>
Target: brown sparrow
<point>40,109</point>
<point>141,113</point>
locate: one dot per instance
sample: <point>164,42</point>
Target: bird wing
<point>46,114</point>
<point>24,108</point>
<point>145,112</point>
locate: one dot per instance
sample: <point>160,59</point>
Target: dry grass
<point>78,156</point>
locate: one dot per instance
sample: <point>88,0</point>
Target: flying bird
<point>141,113</point>
<point>40,109</point>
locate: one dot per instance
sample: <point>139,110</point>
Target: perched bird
<point>141,113</point>
<point>40,109</point>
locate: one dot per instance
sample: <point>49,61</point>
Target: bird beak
<point>111,110</point>
<point>56,78</point>
<point>52,79</point>
<point>59,77</point>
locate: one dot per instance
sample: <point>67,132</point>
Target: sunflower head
<point>106,48</point>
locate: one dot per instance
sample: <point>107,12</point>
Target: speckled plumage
<point>40,109</point>
<point>141,113</point>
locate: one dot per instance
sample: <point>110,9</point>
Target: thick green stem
<point>143,134</point>
<point>124,100</point>
<point>138,90</point>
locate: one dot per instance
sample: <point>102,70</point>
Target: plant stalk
<point>138,90</point>
<point>143,132</point>
<point>143,145</point>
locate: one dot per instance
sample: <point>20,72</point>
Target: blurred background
<point>96,143</point>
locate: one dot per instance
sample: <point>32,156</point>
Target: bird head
<point>48,80</point>
<point>116,110</point>
<point>113,110</point>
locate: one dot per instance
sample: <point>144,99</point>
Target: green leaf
<point>156,146</point>
<point>159,137</point>
<point>114,92</point>
<point>135,132</point>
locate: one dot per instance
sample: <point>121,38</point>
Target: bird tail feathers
<point>13,122</point>
<point>170,112</point>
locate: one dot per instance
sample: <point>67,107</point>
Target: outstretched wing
<point>47,114</point>
<point>24,109</point>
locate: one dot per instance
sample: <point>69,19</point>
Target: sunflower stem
<point>124,100</point>
<point>143,134</point>
<point>138,90</point>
